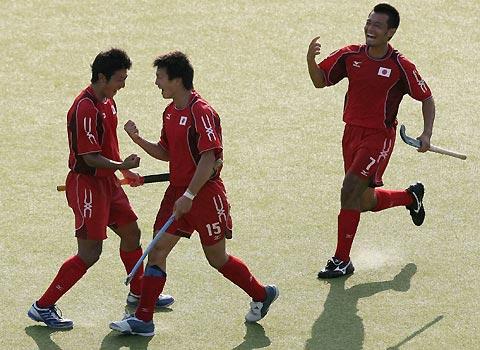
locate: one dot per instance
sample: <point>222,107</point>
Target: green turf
<point>283,171</point>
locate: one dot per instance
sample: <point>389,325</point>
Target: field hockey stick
<point>146,179</point>
<point>149,248</point>
<point>218,163</point>
<point>413,335</point>
<point>417,143</point>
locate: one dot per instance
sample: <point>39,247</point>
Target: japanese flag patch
<point>384,72</point>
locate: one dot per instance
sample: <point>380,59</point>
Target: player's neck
<point>98,92</point>
<point>182,98</point>
<point>378,51</point>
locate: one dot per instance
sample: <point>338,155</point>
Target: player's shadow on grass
<point>255,338</point>
<point>117,341</point>
<point>42,336</point>
<point>339,326</point>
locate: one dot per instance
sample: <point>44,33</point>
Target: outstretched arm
<point>152,148</point>
<point>316,74</point>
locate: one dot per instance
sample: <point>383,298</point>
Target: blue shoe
<point>134,326</point>
<point>49,316</point>
<point>164,300</point>
<point>258,309</point>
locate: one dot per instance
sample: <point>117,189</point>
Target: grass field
<point>414,288</point>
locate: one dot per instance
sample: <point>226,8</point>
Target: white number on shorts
<point>214,229</point>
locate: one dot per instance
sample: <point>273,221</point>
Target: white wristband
<point>189,195</point>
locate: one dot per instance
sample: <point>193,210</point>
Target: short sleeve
<point>87,134</point>
<point>207,125</point>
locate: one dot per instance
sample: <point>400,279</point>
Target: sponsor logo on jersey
<point>113,109</point>
<point>356,64</point>
<point>384,72</point>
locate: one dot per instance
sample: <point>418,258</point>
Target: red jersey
<point>92,128</point>
<point>188,132</point>
<point>376,86</point>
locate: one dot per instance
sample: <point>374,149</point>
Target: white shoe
<point>258,309</point>
<point>132,325</point>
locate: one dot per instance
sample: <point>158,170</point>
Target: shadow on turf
<point>116,341</point>
<point>339,326</point>
<point>255,338</point>
<point>41,336</point>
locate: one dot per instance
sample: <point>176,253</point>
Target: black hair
<point>177,65</point>
<point>391,12</point>
<point>108,62</point>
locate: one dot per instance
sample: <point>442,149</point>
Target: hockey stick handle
<point>149,248</point>
<point>146,179</point>
<point>447,152</point>
<point>417,144</point>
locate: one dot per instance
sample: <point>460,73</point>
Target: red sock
<point>347,228</point>
<point>129,260</point>
<point>391,198</point>
<point>71,271</point>
<point>237,272</point>
<point>153,283</point>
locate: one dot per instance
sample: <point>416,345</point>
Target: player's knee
<point>90,257</point>
<point>217,261</point>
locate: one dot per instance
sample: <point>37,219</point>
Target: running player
<point>93,191</point>
<point>191,140</point>
<point>379,76</point>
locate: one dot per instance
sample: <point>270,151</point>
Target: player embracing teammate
<point>191,141</point>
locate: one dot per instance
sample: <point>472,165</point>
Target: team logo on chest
<point>183,120</point>
<point>384,72</point>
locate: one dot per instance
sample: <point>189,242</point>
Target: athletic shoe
<point>164,300</point>
<point>336,268</point>
<point>132,325</point>
<point>258,309</point>
<point>417,211</point>
<point>49,316</point>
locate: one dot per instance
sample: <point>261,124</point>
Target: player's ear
<point>102,78</point>
<point>391,32</point>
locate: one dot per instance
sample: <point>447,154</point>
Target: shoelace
<point>53,313</point>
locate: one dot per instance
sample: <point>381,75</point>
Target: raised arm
<point>316,74</point>
<point>152,148</point>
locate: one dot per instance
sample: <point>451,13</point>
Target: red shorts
<point>366,152</point>
<point>97,202</point>
<point>209,216</point>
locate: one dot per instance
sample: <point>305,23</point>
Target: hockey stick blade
<point>417,144</point>
<point>409,140</point>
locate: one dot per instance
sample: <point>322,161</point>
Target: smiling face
<point>116,82</point>
<point>377,33</point>
<point>107,89</point>
<point>169,87</point>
